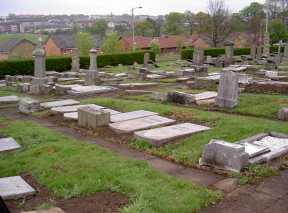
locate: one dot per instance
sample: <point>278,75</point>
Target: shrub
<point>61,64</point>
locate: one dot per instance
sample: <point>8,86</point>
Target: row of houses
<point>63,44</point>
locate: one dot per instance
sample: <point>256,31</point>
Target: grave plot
<point>9,99</point>
<point>8,144</point>
<point>74,115</point>
<point>74,108</point>
<point>131,115</point>
<point>59,103</point>
<point>130,126</point>
<point>90,90</point>
<point>14,188</point>
<point>163,135</point>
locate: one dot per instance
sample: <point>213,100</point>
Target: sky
<point>89,7</point>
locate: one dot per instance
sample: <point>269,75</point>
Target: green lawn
<point>6,91</point>
<point>224,126</point>
<point>69,168</point>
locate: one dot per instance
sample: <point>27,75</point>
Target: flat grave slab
<point>204,96</point>
<point>8,144</point>
<point>74,108</point>
<point>74,115</point>
<point>53,210</point>
<point>9,99</point>
<point>131,126</point>
<point>136,85</point>
<point>131,115</point>
<point>163,135</point>
<point>59,103</point>
<point>67,79</point>
<point>14,188</point>
<point>89,90</point>
<point>255,150</point>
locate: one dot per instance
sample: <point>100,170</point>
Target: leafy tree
<point>190,21</point>
<point>144,28</point>
<point>174,24</point>
<point>99,28</point>
<point>111,44</point>
<point>84,43</point>
<point>155,47</point>
<point>278,31</point>
<point>202,20</point>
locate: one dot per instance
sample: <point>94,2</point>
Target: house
<point>16,48</point>
<point>60,44</point>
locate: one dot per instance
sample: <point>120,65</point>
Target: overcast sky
<point>150,7</point>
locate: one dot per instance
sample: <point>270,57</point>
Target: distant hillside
<point>31,37</point>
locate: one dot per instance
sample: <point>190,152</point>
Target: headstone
<point>266,50</point>
<point>130,126</point>
<point>283,114</point>
<point>92,77</point>
<point>74,108</point>
<point>74,115</point>
<point>59,103</point>
<point>198,56</point>
<point>131,115</point>
<point>90,90</point>
<point>92,118</point>
<point>75,65</point>
<point>62,89</point>
<point>259,52</point>
<point>224,155</point>
<point>93,59</point>
<point>229,53</point>
<point>15,188</point>
<point>28,105</point>
<point>228,90</point>
<point>253,52</point>
<point>163,135</point>
<point>279,53</point>
<point>9,99</point>
<point>8,144</point>
<point>146,59</point>
<point>286,50</point>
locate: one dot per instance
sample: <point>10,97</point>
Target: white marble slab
<point>9,99</point>
<point>74,108</point>
<point>14,188</point>
<point>160,136</point>
<point>59,103</point>
<point>204,96</point>
<point>131,115</point>
<point>88,90</point>
<point>8,144</point>
<point>131,126</point>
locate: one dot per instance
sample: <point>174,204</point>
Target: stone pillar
<point>198,56</point>
<point>266,50</point>
<point>286,51</point>
<point>259,52</point>
<point>279,54</point>
<point>75,65</point>
<point>228,90</point>
<point>253,52</point>
<point>92,77</point>
<point>93,60</point>
<point>229,53</point>
<point>146,59</point>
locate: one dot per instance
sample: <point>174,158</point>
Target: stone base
<point>92,78</point>
<point>28,105</point>
<point>91,118</point>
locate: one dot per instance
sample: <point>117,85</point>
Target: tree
<point>155,47</point>
<point>144,28</point>
<point>202,20</point>
<point>190,21</point>
<point>174,24</point>
<point>278,31</point>
<point>84,43</point>
<point>219,24</point>
<point>111,44</point>
<point>99,28</point>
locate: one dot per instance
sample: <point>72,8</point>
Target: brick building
<point>16,48</point>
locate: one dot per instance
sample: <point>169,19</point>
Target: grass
<point>187,151</point>
<point>30,37</point>
<point>7,91</point>
<point>69,168</point>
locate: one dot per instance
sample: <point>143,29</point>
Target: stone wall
<point>267,87</point>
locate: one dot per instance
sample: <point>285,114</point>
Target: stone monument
<point>146,60</point>
<point>228,90</point>
<point>253,52</point>
<point>75,65</point>
<point>92,77</point>
<point>286,51</point>
<point>259,52</point>
<point>229,53</point>
<point>198,56</point>
<point>266,50</point>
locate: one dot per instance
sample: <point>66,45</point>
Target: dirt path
<point>270,196</point>
<point>204,178</point>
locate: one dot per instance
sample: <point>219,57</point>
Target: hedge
<point>61,64</point>
<point>215,52</point>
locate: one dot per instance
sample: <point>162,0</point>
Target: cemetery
<point>187,134</point>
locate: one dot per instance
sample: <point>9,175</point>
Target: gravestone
<point>279,54</point>
<point>229,53</point>
<point>130,126</point>
<point>131,115</point>
<point>8,144</point>
<point>75,65</point>
<point>28,105</point>
<point>9,99</point>
<point>283,114</point>
<point>266,49</point>
<point>15,188</point>
<point>253,52</point>
<point>93,118</point>
<point>259,52</point>
<point>59,103</point>
<point>92,77</point>
<point>228,90</point>
<point>224,155</point>
<point>146,60</point>
<point>74,115</point>
<point>90,90</point>
<point>74,108</point>
<point>163,135</point>
<point>198,56</point>
<point>286,50</point>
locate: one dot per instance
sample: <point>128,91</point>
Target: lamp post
<point>133,27</point>
<point>267,14</point>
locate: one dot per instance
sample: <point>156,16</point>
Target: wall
<point>52,49</point>
<point>22,50</point>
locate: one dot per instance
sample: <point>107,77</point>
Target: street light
<point>267,14</point>
<point>133,26</point>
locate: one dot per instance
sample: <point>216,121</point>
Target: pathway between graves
<point>204,178</point>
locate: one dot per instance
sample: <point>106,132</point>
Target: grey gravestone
<point>266,49</point>
<point>92,77</point>
<point>131,115</point>
<point>253,52</point>
<point>224,155</point>
<point>74,108</point>
<point>286,50</point>
<point>74,115</point>
<point>283,114</point>
<point>259,52</point>
<point>90,90</point>
<point>9,99</point>
<point>28,105</point>
<point>15,188</point>
<point>146,60</point>
<point>163,135</point>
<point>93,118</point>
<point>130,126</point>
<point>198,56</point>
<point>59,103</point>
<point>228,90</point>
<point>75,65</point>
<point>229,53</point>
<point>8,144</point>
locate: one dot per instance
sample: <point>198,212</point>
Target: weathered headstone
<point>253,52</point>
<point>8,144</point>
<point>9,99</point>
<point>266,50</point>
<point>283,114</point>
<point>28,105</point>
<point>198,56</point>
<point>93,118</point>
<point>15,188</point>
<point>228,90</point>
<point>259,52</point>
<point>224,155</point>
<point>229,53</point>
<point>74,108</point>
<point>163,135</point>
<point>286,50</point>
<point>75,65</point>
<point>146,59</point>
<point>92,77</point>
<point>59,103</point>
<point>131,115</point>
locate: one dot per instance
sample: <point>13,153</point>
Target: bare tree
<point>219,25</point>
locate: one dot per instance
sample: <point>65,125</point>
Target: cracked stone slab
<point>74,108</point>
<point>131,126</point>
<point>53,210</point>
<point>131,115</point>
<point>9,99</point>
<point>14,188</point>
<point>74,115</point>
<point>59,103</point>
<point>89,90</point>
<point>163,135</point>
<point>8,144</point>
